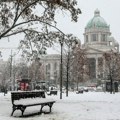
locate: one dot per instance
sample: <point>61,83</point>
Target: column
<point>96,65</point>
<point>89,38</point>
<point>99,37</point>
<point>104,68</point>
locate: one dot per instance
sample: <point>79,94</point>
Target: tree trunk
<point>77,83</point>
<point>111,84</point>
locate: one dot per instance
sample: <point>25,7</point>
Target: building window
<point>110,43</point>
<point>86,38</point>
<point>103,37</point>
<point>92,68</point>
<point>94,37</point>
<point>55,66</point>
<point>116,47</point>
<point>47,67</point>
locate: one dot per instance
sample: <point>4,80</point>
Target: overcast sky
<point>109,10</point>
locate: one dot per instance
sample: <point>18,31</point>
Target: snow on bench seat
<point>29,101</point>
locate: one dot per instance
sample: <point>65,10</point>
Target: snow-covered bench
<point>21,100</point>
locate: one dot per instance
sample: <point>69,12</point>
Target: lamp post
<point>68,60</point>
<point>11,71</point>
<point>61,67</point>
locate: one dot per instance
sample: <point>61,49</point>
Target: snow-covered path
<point>86,106</point>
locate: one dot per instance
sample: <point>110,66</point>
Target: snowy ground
<point>86,106</point>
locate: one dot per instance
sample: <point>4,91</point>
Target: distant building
<point>97,40</point>
<point>51,65</point>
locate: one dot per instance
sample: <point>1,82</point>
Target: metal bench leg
<point>50,105</point>
<point>12,112</point>
<point>14,108</point>
<point>22,110</point>
<point>41,108</point>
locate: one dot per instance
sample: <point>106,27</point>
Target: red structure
<point>24,84</point>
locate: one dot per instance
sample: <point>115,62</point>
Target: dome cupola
<point>97,21</point>
<point>96,31</point>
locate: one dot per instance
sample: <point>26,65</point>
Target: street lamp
<point>61,67</point>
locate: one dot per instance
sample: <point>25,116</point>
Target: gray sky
<point>109,10</point>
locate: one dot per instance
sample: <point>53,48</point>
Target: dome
<point>97,21</point>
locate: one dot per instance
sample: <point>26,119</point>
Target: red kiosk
<point>24,84</point>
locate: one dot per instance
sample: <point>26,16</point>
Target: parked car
<point>91,88</point>
<point>80,90</point>
<point>86,89</point>
<point>99,89</point>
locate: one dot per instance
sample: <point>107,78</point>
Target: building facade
<point>97,40</point>
<point>51,65</point>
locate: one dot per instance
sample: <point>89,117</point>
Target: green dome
<point>97,21</point>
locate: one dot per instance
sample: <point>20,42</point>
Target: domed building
<point>98,40</point>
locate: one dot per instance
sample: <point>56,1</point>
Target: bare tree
<point>20,16</point>
<point>4,73</point>
<point>70,44</point>
<point>36,70</point>
<point>80,66</point>
<point>21,70</point>
<point>112,67</point>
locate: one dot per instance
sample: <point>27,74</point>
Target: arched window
<point>94,37</point>
<point>103,37</point>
